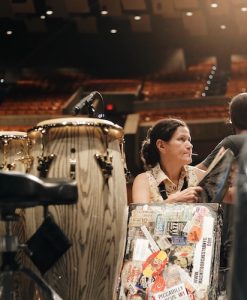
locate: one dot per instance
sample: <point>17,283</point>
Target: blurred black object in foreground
<point>238,275</point>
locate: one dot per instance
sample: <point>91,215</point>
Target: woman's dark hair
<point>238,111</point>
<point>164,130</point>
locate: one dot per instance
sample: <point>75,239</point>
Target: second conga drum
<point>14,156</point>
<point>14,151</point>
<point>89,151</point>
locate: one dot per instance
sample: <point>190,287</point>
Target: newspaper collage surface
<point>172,252</point>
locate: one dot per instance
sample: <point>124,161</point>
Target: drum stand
<point>18,190</point>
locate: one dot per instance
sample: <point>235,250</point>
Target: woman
<point>166,154</point>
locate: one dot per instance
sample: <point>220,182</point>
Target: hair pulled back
<point>238,111</point>
<point>164,130</point>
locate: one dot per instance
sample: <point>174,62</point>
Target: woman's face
<point>179,148</point>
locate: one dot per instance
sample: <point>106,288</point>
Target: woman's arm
<point>140,189</point>
<point>189,195</point>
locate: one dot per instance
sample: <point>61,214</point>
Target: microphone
<point>85,102</point>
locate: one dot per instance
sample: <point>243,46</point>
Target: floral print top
<point>156,176</point>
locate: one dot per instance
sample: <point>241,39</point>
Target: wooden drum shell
<point>96,225</point>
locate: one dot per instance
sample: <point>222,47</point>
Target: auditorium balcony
<point>36,96</point>
<point>184,84</point>
<point>121,85</point>
<point>154,90</point>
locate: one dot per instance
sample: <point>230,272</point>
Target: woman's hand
<point>189,195</point>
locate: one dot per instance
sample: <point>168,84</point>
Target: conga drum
<point>89,151</point>
<point>14,151</point>
<point>14,156</point>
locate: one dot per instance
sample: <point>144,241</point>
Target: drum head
<point>13,134</point>
<point>75,121</point>
<point>112,129</point>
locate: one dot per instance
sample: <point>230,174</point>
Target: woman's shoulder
<point>140,189</point>
<point>143,180</point>
<point>142,177</point>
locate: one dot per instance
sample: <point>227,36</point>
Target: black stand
<point>9,266</point>
<point>19,190</point>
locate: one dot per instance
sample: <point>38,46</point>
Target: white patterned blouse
<point>156,176</point>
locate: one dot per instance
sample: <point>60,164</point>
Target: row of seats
<point>191,113</point>
<point>196,72</point>
<point>112,85</point>
<point>48,95</point>
<point>32,106</point>
<point>22,128</point>
<point>236,86</point>
<point>237,83</point>
<point>157,90</point>
<point>239,69</point>
<point>39,93</point>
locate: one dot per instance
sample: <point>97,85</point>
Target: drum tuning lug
<point>105,130</point>
<point>11,167</point>
<point>72,169</point>
<point>128,175</point>
<point>44,164</point>
<point>105,163</point>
